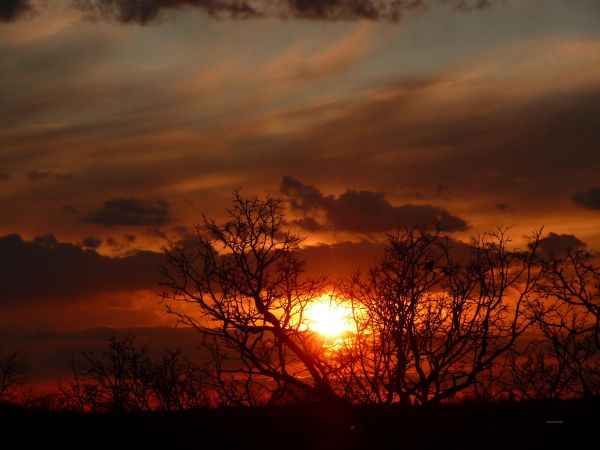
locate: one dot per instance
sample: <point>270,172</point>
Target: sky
<point>121,123</point>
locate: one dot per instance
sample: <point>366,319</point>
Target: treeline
<point>437,320</point>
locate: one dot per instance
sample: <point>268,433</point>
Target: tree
<point>12,373</point>
<point>561,363</point>
<point>573,282</point>
<point>564,361</point>
<point>124,377</point>
<point>114,379</point>
<point>249,290</point>
<point>431,320</point>
<point>176,383</point>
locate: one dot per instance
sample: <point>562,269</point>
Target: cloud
<point>361,211</point>
<point>11,10</point>
<point>130,212</point>
<point>151,11</point>
<point>502,207</point>
<point>4,176</point>
<point>145,12</point>
<point>45,268</point>
<point>560,244</point>
<point>589,199</point>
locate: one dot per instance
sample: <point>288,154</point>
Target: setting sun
<point>329,318</point>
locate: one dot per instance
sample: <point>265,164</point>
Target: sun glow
<point>329,318</point>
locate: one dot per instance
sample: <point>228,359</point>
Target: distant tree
<point>564,360</point>
<point>561,363</point>
<point>124,377</point>
<point>249,290</point>
<point>176,383</point>
<point>13,369</point>
<point>113,379</point>
<point>573,282</point>
<point>431,321</point>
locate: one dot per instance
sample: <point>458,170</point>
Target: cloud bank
<point>45,268</point>
<point>361,211</point>
<point>560,244</point>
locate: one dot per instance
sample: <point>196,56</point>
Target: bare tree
<point>249,291</point>
<point>430,323</point>
<point>573,281</point>
<point>564,361</point>
<point>113,379</point>
<point>125,377</point>
<point>561,364</point>
<point>176,383</point>
<point>13,369</point>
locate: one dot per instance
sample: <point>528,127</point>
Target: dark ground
<point>465,426</point>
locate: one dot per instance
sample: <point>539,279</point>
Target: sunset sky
<point>122,122</point>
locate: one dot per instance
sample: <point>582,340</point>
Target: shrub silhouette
<point>124,377</point>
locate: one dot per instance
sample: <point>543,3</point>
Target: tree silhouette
<point>113,379</point>
<point>124,377</point>
<point>563,360</point>
<point>430,323</point>
<point>250,291</point>
<point>573,281</point>
<point>13,369</point>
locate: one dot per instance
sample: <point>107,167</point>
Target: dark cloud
<point>91,242</point>
<point>560,244</point>
<point>41,175</point>
<point>145,12</point>
<point>502,207</point>
<point>130,212</point>
<point>11,10</point>
<point>4,176</point>
<point>589,198</point>
<point>46,268</point>
<point>361,211</point>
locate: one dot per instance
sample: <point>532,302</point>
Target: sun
<point>328,317</point>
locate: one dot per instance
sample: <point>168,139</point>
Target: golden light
<point>329,317</point>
